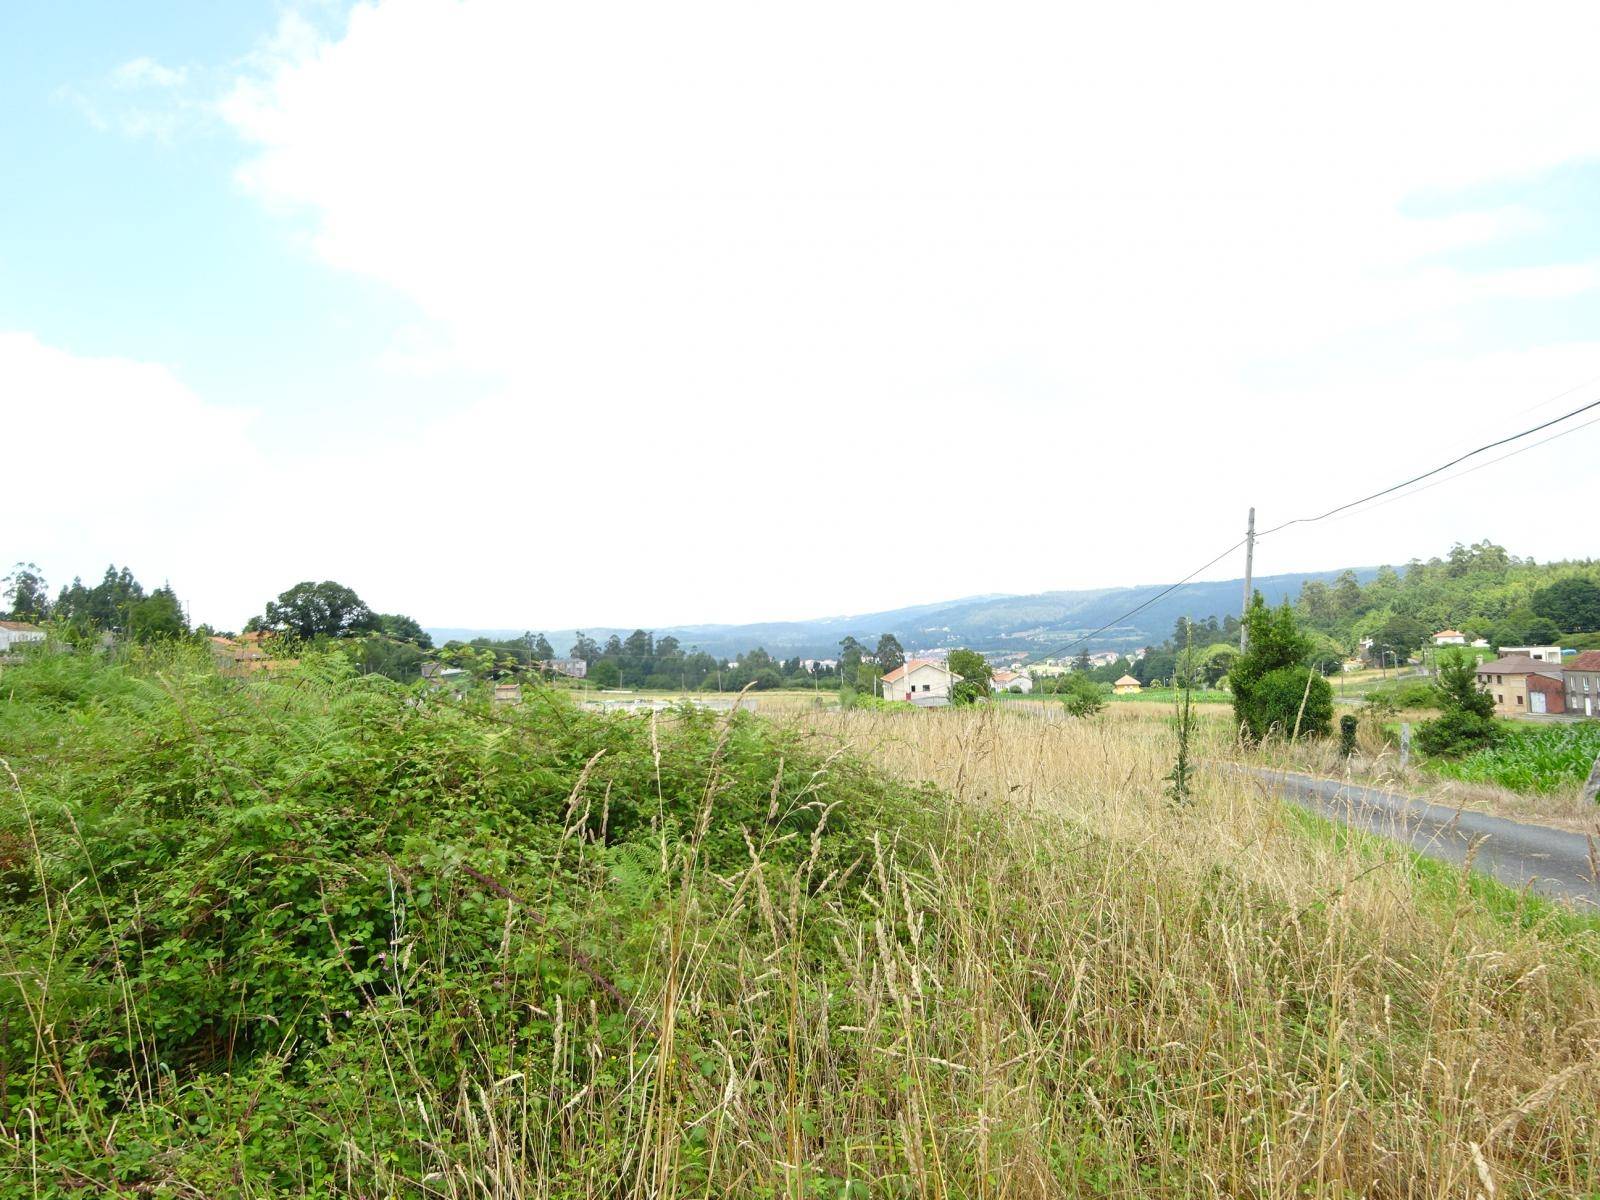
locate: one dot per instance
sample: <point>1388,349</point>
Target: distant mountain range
<point>1038,624</point>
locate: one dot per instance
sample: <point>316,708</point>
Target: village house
<point>1449,637</point>
<point>924,682</point>
<point>1547,654</point>
<point>1522,685</point>
<point>1583,683</point>
<point>17,633</point>
<point>573,668</point>
<point>1010,681</point>
<point>238,655</point>
<point>1126,686</point>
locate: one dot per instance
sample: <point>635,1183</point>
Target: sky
<point>522,315</point>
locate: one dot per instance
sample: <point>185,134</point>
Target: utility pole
<point>1249,564</point>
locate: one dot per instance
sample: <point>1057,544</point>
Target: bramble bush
<point>264,913</point>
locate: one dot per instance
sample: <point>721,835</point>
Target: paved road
<point>1553,862</point>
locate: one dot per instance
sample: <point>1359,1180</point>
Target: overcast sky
<point>520,314</point>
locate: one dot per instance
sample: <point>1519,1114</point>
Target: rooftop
<point>1518,665</point>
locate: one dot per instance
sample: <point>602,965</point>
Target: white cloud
<point>147,73</point>
<point>142,98</point>
<point>760,288</point>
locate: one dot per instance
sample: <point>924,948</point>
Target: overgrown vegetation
<point>1082,696</point>
<point>1466,722</point>
<point>1274,690</point>
<point>312,933</point>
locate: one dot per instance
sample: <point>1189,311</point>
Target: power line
<point>1170,588</point>
<point>1471,470</point>
<point>1436,470</point>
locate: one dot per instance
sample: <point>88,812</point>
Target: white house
<point>925,682</point>
<point>15,633</point>
<point>1449,637</point>
<point>1548,654</point>
<point>1009,681</point>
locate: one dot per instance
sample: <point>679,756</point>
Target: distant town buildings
<point>1010,681</point>
<point>18,633</point>
<point>572,668</point>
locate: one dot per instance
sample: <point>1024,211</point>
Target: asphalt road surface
<point>1552,862</point>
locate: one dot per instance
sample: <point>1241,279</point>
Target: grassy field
<point>315,934</point>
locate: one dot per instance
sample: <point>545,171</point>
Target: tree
<point>1082,663</point>
<point>395,658</point>
<point>541,649</point>
<point>975,673</point>
<point>1467,721</point>
<point>157,617</point>
<point>1346,595</point>
<point>586,648</point>
<point>1523,627</point>
<point>312,610</point>
<point>606,673</point>
<point>1082,696</point>
<point>105,606</point>
<point>890,656</point>
<point>1573,604</point>
<point>1272,686</point>
<point>613,647</point>
<point>404,629</point>
<point>1399,636</point>
<point>1217,662</point>
<point>27,593</point>
<point>851,653</point>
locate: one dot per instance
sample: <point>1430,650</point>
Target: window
<point>1519,699</point>
<point>1500,699</point>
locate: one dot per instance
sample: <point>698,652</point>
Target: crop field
<point>319,934</point>
<point>1541,759</point>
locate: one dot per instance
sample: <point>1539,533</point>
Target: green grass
<point>1536,760</point>
<point>1446,887</point>
<point>249,927</point>
<point>314,934</point>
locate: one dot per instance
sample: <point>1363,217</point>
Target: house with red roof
<point>925,682</point>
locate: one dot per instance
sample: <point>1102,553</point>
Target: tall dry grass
<point>1063,984</point>
<point>1085,990</point>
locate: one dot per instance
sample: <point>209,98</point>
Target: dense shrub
<point>1412,694</point>
<point>1468,720</point>
<point>1273,689</point>
<point>1082,696</point>
<point>244,892</point>
<point>1276,700</point>
<point>1455,733</point>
